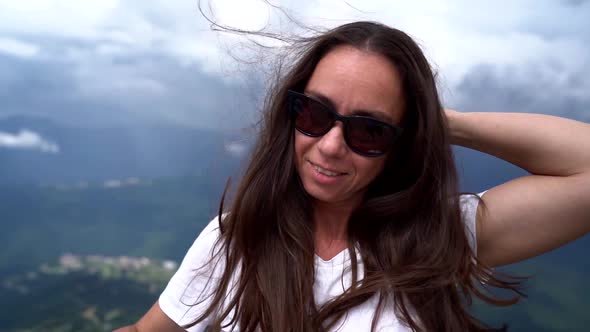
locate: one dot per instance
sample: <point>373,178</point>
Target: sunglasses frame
<point>293,95</point>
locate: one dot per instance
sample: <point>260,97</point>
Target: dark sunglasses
<point>364,135</point>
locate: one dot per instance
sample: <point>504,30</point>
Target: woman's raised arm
<point>533,214</point>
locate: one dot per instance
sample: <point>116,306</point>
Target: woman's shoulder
<point>190,284</point>
<point>203,246</point>
<point>209,234</point>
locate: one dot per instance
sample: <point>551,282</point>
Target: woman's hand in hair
<point>531,215</point>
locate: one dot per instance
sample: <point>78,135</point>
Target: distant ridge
<point>99,154</point>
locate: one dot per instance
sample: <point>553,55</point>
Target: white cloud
<point>117,27</point>
<point>243,14</point>
<point>27,140</point>
<point>113,184</point>
<point>236,148</point>
<point>18,48</point>
<point>98,39</point>
<point>119,183</point>
<point>460,34</point>
<point>457,34</point>
<point>56,17</point>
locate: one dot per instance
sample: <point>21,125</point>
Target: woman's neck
<point>331,227</point>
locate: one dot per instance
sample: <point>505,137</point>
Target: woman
<point>349,217</point>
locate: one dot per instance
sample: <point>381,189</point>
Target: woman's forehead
<point>354,79</point>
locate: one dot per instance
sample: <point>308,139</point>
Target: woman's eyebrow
<point>328,102</point>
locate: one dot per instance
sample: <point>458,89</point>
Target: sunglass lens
<point>311,117</point>
<point>368,136</point>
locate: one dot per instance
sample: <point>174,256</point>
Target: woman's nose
<point>332,144</point>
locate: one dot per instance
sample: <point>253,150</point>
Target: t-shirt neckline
<point>338,260</point>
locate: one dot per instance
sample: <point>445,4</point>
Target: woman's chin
<point>323,195</point>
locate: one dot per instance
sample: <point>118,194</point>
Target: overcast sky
<point>123,61</point>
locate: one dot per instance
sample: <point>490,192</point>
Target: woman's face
<point>351,80</point>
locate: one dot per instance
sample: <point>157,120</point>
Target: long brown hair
<point>408,231</point>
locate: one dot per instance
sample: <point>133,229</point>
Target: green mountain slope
<point>159,219</point>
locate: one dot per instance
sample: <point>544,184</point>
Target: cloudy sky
<point>128,61</point>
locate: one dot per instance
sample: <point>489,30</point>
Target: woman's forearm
<point>540,144</point>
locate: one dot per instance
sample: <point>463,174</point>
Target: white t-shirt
<point>330,282</point>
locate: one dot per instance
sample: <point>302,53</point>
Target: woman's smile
<point>325,177</point>
<point>326,170</point>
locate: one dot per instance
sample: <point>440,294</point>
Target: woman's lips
<point>326,170</point>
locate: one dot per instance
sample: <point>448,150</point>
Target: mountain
<point>157,218</point>
<point>98,154</point>
<point>148,192</point>
<point>82,294</point>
